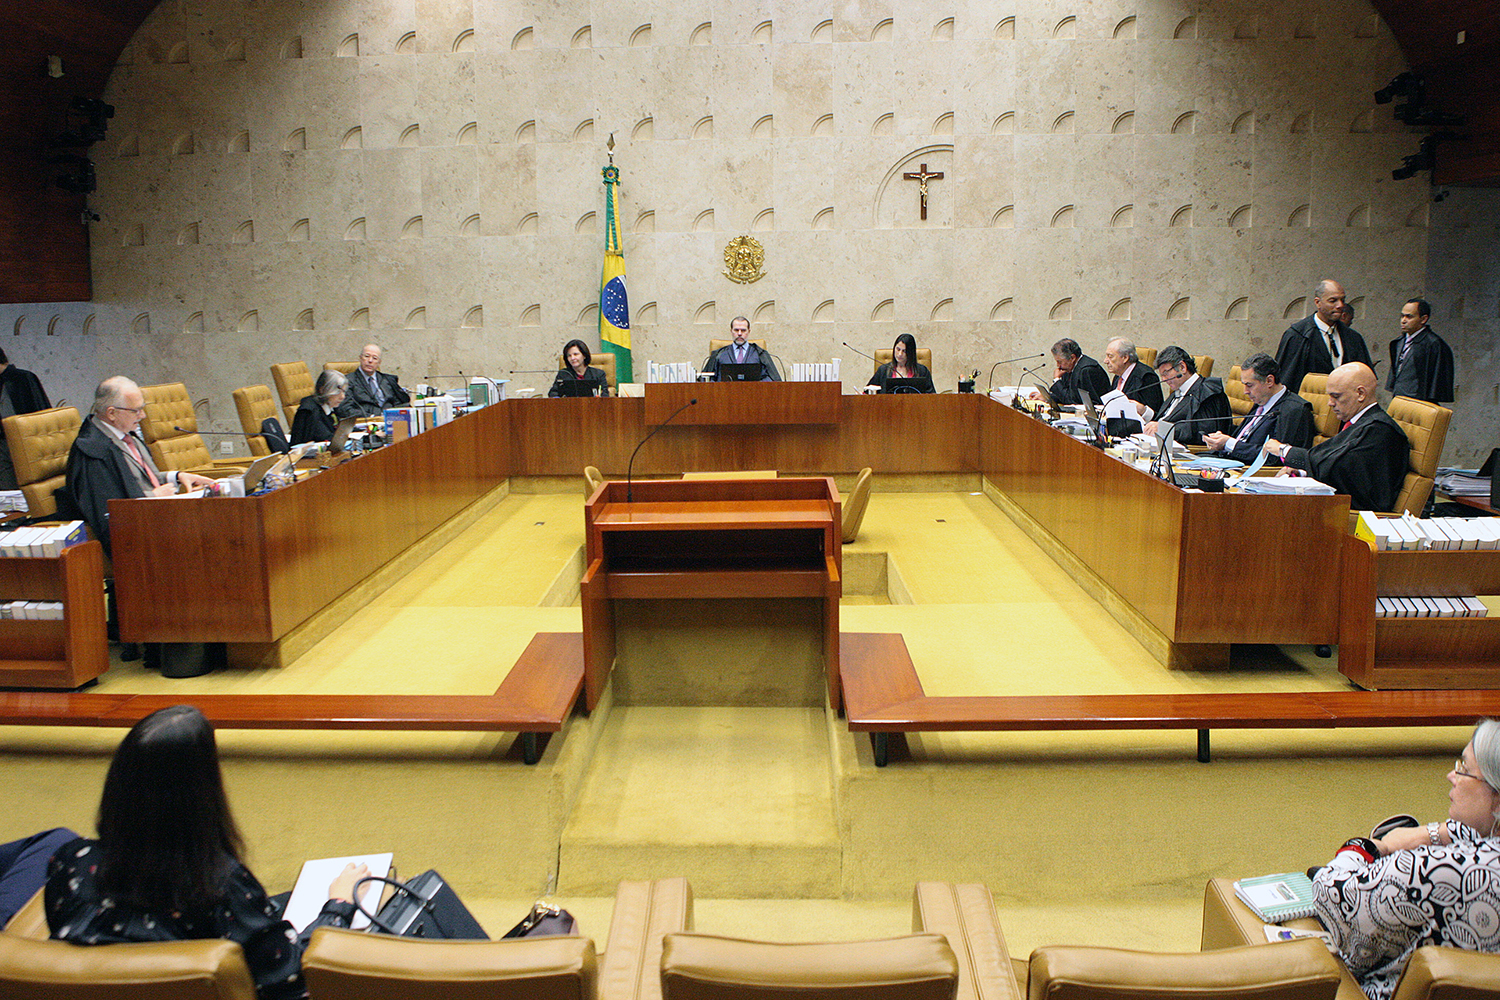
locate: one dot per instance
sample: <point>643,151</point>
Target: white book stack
<point>41,541</point>
<point>818,371</point>
<point>31,610</point>
<point>1407,533</point>
<point>680,371</point>
<point>1430,607</point>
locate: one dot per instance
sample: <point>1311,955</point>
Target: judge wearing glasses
<point>109,461</point>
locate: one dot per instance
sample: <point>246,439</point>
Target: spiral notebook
<point>1275,898</point>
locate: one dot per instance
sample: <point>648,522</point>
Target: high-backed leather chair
<point>1240,403</point>
<point>1290,970</point>
<point>856,502</point>
<point>169,407</point>
<point>715,345</point>
<point>884,356</point>
<point>39,445</point>
<point>1315,391</point>
<point>605,362</point>
<point>256,406</point>
<point>1426,427</point>
<point>704,967</point>
<point>347,367</point>
<point>1205,364</point>
<point>349,965</point>
<point>212,969</point>
<point>1147,356</point>
<point>293,383</point>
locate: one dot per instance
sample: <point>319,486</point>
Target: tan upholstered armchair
<point>1291,970</point>
<point>605,362</point>
<point>349,965</point>
<point>347,367</point>
<point>715,345</point>
<point>884,356</point>
<point>1315,391</point>
<point>1239,400</point>
<point>172,970</point>
<point>704,967</point>
<point>39,444</point>
<point>169,407</point>
<point>255,406</point>
<point>293,383</point>
<point>1426,427</point>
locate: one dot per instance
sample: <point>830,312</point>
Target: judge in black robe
<point>20,392</point>
<point>1197,405</point>
<point>1288,418</point>
<point>1076,370</point>
<point>1143,386</point>
<point>1304,349</point>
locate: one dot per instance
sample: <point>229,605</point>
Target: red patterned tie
<point>150,476</point>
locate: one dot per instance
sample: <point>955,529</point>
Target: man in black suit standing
<point>1197,404</point>
<point>1075,370</point>
<point>1368,457</point>
<point>741,352</point>
<point>1278,413</point>
<point>371,390</point>
<point>1320,342</point>
<point>1128,375</point>
<point>1421,363</point>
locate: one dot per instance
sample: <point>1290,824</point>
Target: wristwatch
<point>1432,834</point>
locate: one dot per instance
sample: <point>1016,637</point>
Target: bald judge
<point>1368,457</point>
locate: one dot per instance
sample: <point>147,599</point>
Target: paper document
<point>1116,404</point>
<point>1254,467</point>
<point>311,890</point>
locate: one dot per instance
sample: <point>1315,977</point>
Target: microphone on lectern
<point>1010,361</point>
<point>629,468</point>
<point>863,354</point>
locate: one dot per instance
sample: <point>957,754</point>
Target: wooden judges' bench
<point>251,570</point>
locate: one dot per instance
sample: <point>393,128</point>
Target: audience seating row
<point>956,951</point>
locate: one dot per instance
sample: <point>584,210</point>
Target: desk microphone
<point>456,375</point>
<point>539,371</point>
<point>628,489</point>
<point>1009,361</point>
<point>864,355</point>
<point>215,434</point>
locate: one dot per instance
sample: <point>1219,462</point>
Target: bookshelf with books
<point>58,653</point>
<point>1411,652</point>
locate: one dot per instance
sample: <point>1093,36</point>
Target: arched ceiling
<point>44,253</point>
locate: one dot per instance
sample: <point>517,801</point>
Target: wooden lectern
<point>745,538</point>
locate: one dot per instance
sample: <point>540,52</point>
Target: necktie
<point>135,452</point>
<point>1404,348</point>
<point>1119,381</point>
<point>739,354</point>
<point>1344,426</point>
<point>1333,347</point>
<point>1250,424</point>
<point>375,388</point>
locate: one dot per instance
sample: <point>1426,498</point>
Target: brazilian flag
<point>614,308</point>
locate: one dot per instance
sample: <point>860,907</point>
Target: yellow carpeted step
<point>739,800</point>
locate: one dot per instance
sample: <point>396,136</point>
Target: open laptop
<point>901,385</point>
<point>739,373</point>
<point>1091,414</point>
<point>341,434</point>
<point>577,387</point>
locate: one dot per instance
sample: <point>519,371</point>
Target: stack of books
<point>31,610</point>
<point>41,541</point>
<point>1443,533</point>
<point>1430,607</point>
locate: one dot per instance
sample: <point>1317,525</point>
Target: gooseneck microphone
<point>1009,361</point>
<point>629,495</point>
<point>863,354</point>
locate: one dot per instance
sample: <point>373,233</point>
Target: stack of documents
<point>1463,483</point>
<point>12,500</point>
<point>1286,486</point>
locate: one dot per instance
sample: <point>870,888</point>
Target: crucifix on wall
<point>922,177</point>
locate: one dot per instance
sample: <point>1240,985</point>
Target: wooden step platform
<point>536,697</point>
<point>882,695</point>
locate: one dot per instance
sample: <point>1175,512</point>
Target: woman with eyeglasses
<point>1383,898</point>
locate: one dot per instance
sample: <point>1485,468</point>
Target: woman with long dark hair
<point>578,358</point>
<point>903,364</point>
<point>168,862</point>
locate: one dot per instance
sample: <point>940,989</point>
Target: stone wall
<point>291,180</point>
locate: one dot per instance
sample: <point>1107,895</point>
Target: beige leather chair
<point>1291,970</point>
<point>347,367</point>
<point>1426,427</point>
<point>1240,403</point>
<point>1147,356</point>
<point>592,480</point>
<point>293,383</point>
<point>1431,973</point>
<point>169,407</point>
<point>1205,364</point>
<point>1434,973</point>
<point>704,967</point>
<point>855,504</point>
<point>39,445</point>
<point>884,356</point>
<point>1315,391</point>
<point>176,970</point>
<point>605,362</point>
<point>256,406</point>
<point>716,345</point>
<point>350,965</point>
<point>645,912</point>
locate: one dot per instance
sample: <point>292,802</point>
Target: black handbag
<point>544,919</point>
<point>424,907</point>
